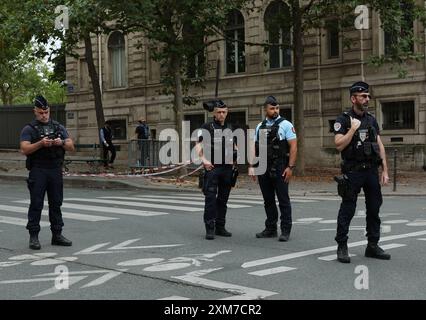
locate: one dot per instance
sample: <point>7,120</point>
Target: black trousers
<point>110,148</point>
<point>39,182</point>
<point>272,183</point>
<point>368,180</point>
<point>217,187</point>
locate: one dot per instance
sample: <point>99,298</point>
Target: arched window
<point>117,59</point>
<point>235,51</point>
<point>277,18</point>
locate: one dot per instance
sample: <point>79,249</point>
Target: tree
<point>174,29</point>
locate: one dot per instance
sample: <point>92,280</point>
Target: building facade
<point>130,82</point>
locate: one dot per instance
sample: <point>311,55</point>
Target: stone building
<point>130,82</point>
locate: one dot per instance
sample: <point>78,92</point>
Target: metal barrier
<point>145,153</point>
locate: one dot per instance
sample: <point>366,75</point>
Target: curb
<point>96,183</point>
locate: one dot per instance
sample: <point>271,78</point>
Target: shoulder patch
<point>337,126</point>
<point>293,130</point>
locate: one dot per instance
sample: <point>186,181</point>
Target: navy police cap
<point>271,100</point>
<point>40,102</point>
<point>359,87</point>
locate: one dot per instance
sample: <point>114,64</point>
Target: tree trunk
<point>178,106</point>
<point>299,107</point>
<point>3,96</point>
<point>100,118</point>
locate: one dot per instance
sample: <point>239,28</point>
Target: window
<point>286,113</point>
<point>235,52</point>
<point>119,129</point>
<point>398,115</point>
<point>392,38</point>
<point>195,60</point>
<point>279,33</point>
<point>195,121</point>
<point>83,75</point>
<point>116,49</point>
<point>333,39</point>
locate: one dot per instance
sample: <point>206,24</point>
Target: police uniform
<point>105,135</point>
<point>279,132</point>
<point>217,183</point>
<point>360,162</point>
<point>45,176</point>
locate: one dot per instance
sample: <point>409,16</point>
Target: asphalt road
<point>149,246</point>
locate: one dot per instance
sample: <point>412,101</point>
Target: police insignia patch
<point>337,126</point>
<point>292,129</point>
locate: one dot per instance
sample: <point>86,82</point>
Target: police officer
<point>357,137</point>
<point>213,141</point>
<point>44,142</point>
<point>281,161</point>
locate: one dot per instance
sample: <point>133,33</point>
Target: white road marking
<point>328,221</point>
<point>67,215</point>
<point>333,257</point>
<point>140,262</point>
<point>309,219</point>
<point>123,245</point>
<point>169,200</point>
<point>267,272</point>
<point>395,221</point>
<point>417,223</point>
<point>392,246</point>
<point>48,262</point>
<point>136,204</point>
<point>174,298</point>
<point>52,290</point>
<point>294,255</point>
<point>130,212</point>
<point>20,222</point>
<point>243,293</point>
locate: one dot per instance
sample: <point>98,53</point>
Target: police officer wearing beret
<point>44,142</point>
<point>281,161</point>
<point>357,137</point>
<point>213,141</point>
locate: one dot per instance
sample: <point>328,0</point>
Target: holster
<point>344,188</point>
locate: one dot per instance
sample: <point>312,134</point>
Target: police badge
<point>363,134</point>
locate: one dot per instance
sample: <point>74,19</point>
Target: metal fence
<point>145,153</point>
<point>14,118</point>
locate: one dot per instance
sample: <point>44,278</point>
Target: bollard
<point>394,169</point>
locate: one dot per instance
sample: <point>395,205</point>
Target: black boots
<point>374,251</point>
<point>267,234</point>
<point>209,231</point>
<point>221,231</point>
<point>342,253</point>
<point>34,243</point>
<point>285,235</point>
<point>60,240</point>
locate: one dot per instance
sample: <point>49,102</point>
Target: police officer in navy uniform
<point>105,136</point>
<point>218,170</point>
<point>44,142</point>
<point>281,161</point>
<point>357,137</point>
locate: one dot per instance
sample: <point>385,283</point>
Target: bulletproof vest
<point>51,157</point>
<point>216,143</point>
<point>277,150</point>
<point>363,146</point>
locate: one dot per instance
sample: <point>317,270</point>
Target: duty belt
<point>358,166</point>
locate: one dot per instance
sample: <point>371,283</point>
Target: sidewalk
<point>316,182</point>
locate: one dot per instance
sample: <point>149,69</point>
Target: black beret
<point>41,102</point>
<point>270,100</point>
<point>359,86</point>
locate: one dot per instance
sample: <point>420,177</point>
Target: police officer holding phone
<point>44,142</point>
<point>357,137</point>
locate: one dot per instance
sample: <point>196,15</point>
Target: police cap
<point>359,87</point>
<point>41,102</point>
<point>270,100</point>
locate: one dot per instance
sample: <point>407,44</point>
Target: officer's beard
<point>274,116</point>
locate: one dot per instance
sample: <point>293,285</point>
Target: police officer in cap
<point>357,137</point>
<point>214,141</point>
<point>281,161</point>
<point>44,142</point>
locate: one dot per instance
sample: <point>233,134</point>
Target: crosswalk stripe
<point>137,204</point>
<point>169,200</point>
<point>130,212</point>
<point>19,221</point>
<point>332,257</point>
<point>202,199</point>
<point>68,215</point>
<point>259,197</point>
<point>231,199</point>
<point>267,272</point>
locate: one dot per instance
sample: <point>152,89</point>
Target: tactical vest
<point>216,144</point>
<point>52,157</point>
<point>363,147</point>
<point>277,150</point>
